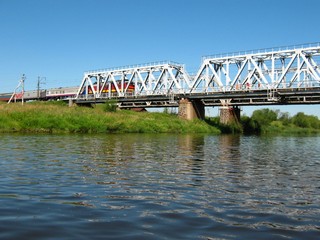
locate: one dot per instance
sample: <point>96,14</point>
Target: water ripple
<point>159,187</point>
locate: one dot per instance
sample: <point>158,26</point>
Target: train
<point>49,94</point>
<point>62,93</point>
<point>129,87</point>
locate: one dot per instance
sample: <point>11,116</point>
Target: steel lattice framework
<point>161,78</point>
<point>287,75</point>
<point>266,69</point>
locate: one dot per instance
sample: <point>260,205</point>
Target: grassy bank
<point>277,127</point>
<point>56,117</point>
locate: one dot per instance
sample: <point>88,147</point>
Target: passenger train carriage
<point>49,94</point>
<point>65,92</point>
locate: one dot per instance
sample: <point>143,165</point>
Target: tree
<point>284,118</point>
<point>250,126</point>
<point>306,121</point>
<point>264,116</point>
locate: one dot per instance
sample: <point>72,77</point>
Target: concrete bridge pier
<point>191,109</point>
<point>229,114</point>
<point>71,102</point>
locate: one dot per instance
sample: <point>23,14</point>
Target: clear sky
<point>61,39</point>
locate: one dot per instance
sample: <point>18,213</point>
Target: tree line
<point>267,120</point>
<point>264,121</point>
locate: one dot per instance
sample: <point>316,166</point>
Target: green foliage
<point>48,103</point>
<point>166,110</point>
<point>51,118</point>
<point>284,118</point>
<point>233,128</point>
<point>264,116</point>
<point>269,121</point>
<point>305,121</point>
<point>266,121</point>
<point>110,105</point>
<point>250,126</point>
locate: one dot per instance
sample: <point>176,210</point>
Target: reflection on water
<point>159,186</point>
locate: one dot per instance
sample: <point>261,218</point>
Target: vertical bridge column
<point>191,109</point>
<point>229,114</point>
<point>71,102</point>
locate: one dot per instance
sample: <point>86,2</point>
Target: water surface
<point>159,187</point>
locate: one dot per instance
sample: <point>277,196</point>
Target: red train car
<point>126,86</point>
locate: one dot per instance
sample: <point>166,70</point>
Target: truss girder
<point>267,70</point>
<point>149,80</point>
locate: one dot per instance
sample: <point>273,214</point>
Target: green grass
<point>278,128</point>
<point>55,117</point>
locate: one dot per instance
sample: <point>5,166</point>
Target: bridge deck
<point>235,98</point>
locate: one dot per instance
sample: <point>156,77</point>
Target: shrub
<point>264,116</point>
<point>284,118</point>
<point>306,121</point>
<point>110,105</point>
<point>250,126</point>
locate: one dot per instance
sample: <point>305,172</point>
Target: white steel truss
<point>161,78</point>
<point>269,69</point>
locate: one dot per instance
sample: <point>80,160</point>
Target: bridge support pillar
<point>191,109</point>
<point>71,102</point>
<point>229,114</point>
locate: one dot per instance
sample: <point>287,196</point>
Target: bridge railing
<point>143,65</point>
<point>262,50</point>
<point>252,87</point>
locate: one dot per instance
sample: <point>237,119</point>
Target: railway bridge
<point>284,75</point>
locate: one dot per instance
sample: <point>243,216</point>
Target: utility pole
<point>40,79</point>
<point>20,85</point>
<point>38,88</point>
<point>22,80</point>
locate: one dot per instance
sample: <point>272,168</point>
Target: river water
<point>159,187</point>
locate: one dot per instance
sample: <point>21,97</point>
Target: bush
<point>284,118</point>
<point>264,116</point>
<point>110,106</point>
<point>250,126</point>
<point>305,121</point>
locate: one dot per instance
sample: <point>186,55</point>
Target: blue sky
<point>61,39</point>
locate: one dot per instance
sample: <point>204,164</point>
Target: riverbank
<point>57,117</point>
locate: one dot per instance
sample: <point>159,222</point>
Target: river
<point>138,186</point>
